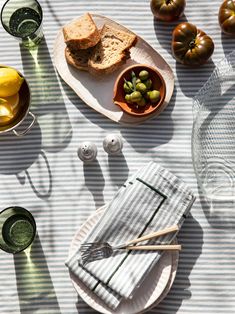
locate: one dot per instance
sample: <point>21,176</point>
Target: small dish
<point>133,109</point>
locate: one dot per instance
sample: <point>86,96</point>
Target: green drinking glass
<point>17,229</point>
<point>23,20</point>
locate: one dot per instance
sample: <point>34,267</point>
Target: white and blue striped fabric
<point>42,172</point>
<point>152,199</point>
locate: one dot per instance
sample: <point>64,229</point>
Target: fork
<point>92,251</point>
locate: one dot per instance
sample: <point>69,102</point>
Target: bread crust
<point>78,38</point>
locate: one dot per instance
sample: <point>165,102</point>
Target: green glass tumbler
<point>23,20</point>
<point>17,229</point>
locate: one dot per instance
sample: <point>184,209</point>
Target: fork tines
<point>95,251</point>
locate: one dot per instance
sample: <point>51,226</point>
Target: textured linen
<point>153,199</point>
<point>62,199</point>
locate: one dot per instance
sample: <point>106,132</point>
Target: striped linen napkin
<point>152,199</point>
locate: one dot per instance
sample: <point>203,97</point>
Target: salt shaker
<point>113,144</point>
<point>87,151</point>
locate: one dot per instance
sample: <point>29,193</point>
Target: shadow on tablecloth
<point>34,284</point>
<point>163,31</point>
<point>95,187</point>
<point>46,97</point>
<point>118,169</point>
<point>227,44</point>
<point>191,250</point>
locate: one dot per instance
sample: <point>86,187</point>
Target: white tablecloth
<point>42,172</point>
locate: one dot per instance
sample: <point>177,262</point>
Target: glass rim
<point>1,17</point>
<point>11,207</point>
<point>35,229</point>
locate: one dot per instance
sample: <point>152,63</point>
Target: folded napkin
<point>152,199</point>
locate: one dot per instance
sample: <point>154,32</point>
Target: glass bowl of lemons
<point>14,100</point>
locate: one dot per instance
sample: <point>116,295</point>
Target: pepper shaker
<point>87,151</point>
<point>113,144</point>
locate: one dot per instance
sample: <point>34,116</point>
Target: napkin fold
<point>152,199</point>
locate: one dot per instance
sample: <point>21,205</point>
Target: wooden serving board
<point>98,92</point>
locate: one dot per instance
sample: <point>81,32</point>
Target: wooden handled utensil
<point>99,250</point>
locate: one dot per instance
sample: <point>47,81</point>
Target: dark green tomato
<point>128,87</point>
<point>141,87</point>
<point>136,96</point>
<point>190,45</point>
<point>227,17</point>
<point>154,96</point>
<point>144,75</point>
<point>128,99</point>
<point>167,10</point>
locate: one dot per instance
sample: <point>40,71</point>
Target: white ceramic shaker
<point>113,144</point>
<point>87,151</point>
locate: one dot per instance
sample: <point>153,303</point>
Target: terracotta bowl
<point>119,93</point>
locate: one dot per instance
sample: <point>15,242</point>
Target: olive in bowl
<point>139,90</point>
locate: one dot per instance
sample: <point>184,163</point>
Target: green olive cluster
<point>138,90</point>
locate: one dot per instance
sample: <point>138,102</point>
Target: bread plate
<point>151,292</point>
<point>98,92</point>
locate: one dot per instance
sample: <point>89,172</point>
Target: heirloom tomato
<point>190,45</point>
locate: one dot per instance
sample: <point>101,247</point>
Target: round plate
<point>151,292</point>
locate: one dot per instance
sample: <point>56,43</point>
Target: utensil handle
<point>154,235</point>
<point>154,247</point>
<point>28,128</point>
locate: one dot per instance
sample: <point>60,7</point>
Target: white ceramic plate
<point>152,291</point>
<point>98,93</point>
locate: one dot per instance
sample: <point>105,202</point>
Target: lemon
<point>8,108</point>
<point>10,82</point>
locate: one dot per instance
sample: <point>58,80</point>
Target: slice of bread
<point>81,33</point>
<point>111,51</point>
<point>78,58</point>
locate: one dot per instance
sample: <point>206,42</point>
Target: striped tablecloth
<point>42,172</point>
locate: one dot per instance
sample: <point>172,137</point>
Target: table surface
<point>42,172</point>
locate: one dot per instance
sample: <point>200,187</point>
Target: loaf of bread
<point>78,57</point>
<point>81,33</point>
<point>111,51</point>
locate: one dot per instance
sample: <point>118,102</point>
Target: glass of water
<point>17,229</point>
<point>23,20</point>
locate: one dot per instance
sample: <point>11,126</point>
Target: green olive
<point>142,102</point>
<point>148,94</point>
<point>128,99</point>
<point>144,75</point>
<point>138,81</point>
<point>128,87</point>
<point>154,96</point>
<point>136,96</point>
<point>148,83</point>
<point>141,88</point>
